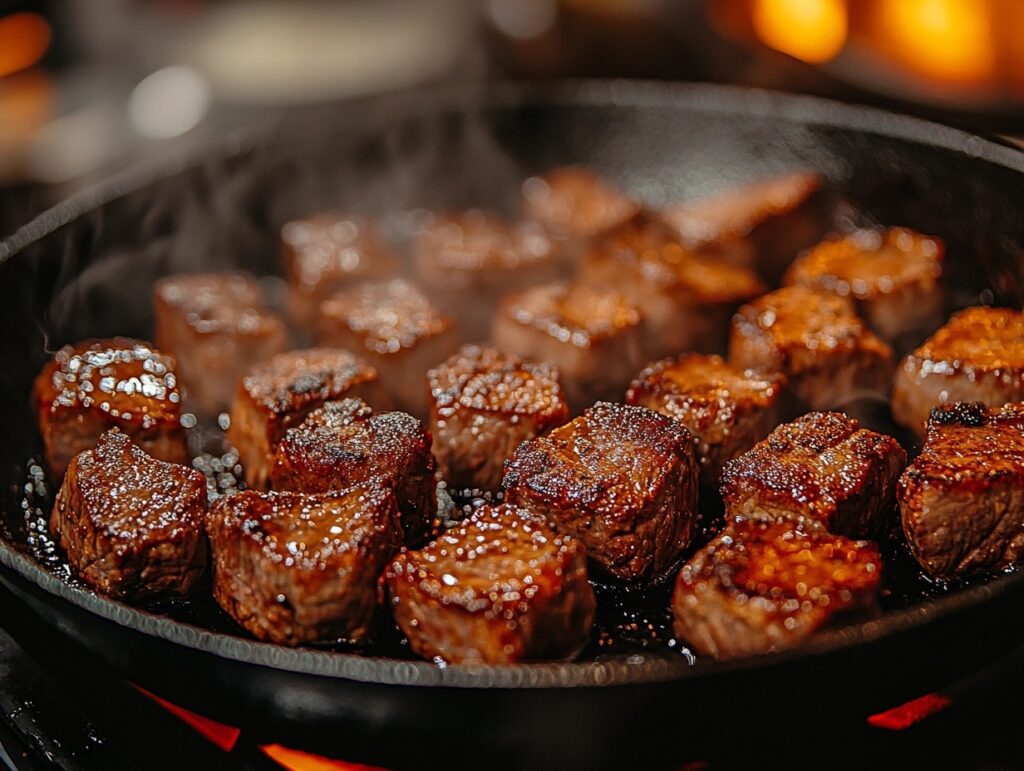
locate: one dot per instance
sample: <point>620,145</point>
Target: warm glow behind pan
<point>24,38</point>
<point>811,30</point>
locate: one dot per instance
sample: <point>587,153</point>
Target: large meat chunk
<point>978,356</point>
<point>726,409</point>
<point>99,384</point>
<point>575,202</point>
<point>293,568</point>
<point>962,499</point>
<point>622,479</point>
<point>500,588</point>
<point>593,336</point>
<point>397,329</point>
<point>485,404</point>
<point>132,526</point>
<point>764,585</point>
<point>827,354</point>
<point>822,467</point>
<point>344,443</point>
<point>217,326</point>
<point>279,393</point>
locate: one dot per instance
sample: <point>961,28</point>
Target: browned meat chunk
<point>726,409</point>
<point>467,261</point>
<point>821,467</point>
<point>217,326</point>
<point>294,568</point>
<point>962,499</point>
<point>686,296</point>
<point>764,585</point>
<point>592,336</point>
<point>622,479</point>
<point>977,357</point>
<point>827,354</point>
<point>344,443</point>
<point>575,202</point>
<point>132,526</point>
<point>99,384</point>
<point>398,331</point>
<point>500,588</point>
<point>485,404</point>
<point>279,393</point>
<point>893,276</point>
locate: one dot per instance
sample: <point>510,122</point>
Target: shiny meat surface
<point>576,202</point>
<point>500,588</point>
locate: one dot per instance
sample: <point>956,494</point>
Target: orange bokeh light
<point>811,30</point>
<point>24,38</point>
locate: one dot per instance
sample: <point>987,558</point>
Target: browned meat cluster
<point>574,202</point>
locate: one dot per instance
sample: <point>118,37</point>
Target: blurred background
<point>87,88</point>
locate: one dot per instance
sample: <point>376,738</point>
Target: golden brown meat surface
<point>575,202</point>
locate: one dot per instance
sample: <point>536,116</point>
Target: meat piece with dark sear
<point>575,202</point>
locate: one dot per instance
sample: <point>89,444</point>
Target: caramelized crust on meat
<point>576,202</point>
<point>132,526</point>
<point>962,499</point>
<point>822,467</point>
<point>114,382</point>
<point>485,403</point>
<point>977,356</point>
<point>293,568</point>
<point>726,409</point>
<point>764,585</point>
<point>622,479</point>
<point>500,588</point>
<point>343,443</point>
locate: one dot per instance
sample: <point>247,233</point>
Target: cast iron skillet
<point>85,267</point>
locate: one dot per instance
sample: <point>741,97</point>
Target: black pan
<point>85,269</point>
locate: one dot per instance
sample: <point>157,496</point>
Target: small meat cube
<point>344,443</point>
<point>132,526</point>
<point>764,585</point>
<point>575,202</point>
<point>977,357</point>
<point>822,467</point>
<point>294,568</point>
<point>279,393</point>
<point>893,276</point>
<point>500,588</point>
<point>962,499</point>
<point>827,354</point>
<point>467,261</point>
<point>686,297</point>
<point>592,336</point>
<point>726,409</point>
<point>762,225</point>
<point>399,332</point>
<point>622,479</point>
<point>485,403</point>
<point>327,252</point>
<point>217,326</point>
<point>99,384</point>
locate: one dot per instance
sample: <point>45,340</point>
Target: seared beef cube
<point>893,276</point>
<point>622,479</point>
<point>467,261</point>
<point>686,297</point>
<point>977,357</point>
<point>344,443</point>
<point>827,354</point>
<point>99,384</point>
<point>327,252</point>
<point>399,332</point>
<point>822,467</point>
<point>575,202</point>
<point>762,225</point>
<point>217,326</point>
<point>279,393</point>
<point>764,585</point>
<point>294,568</point>
<point>485,403</point>
<point>500,588</point>
<point>962,499</point>
<point>726,409</point>
<point>591,335</point>
<point>132,526</point>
